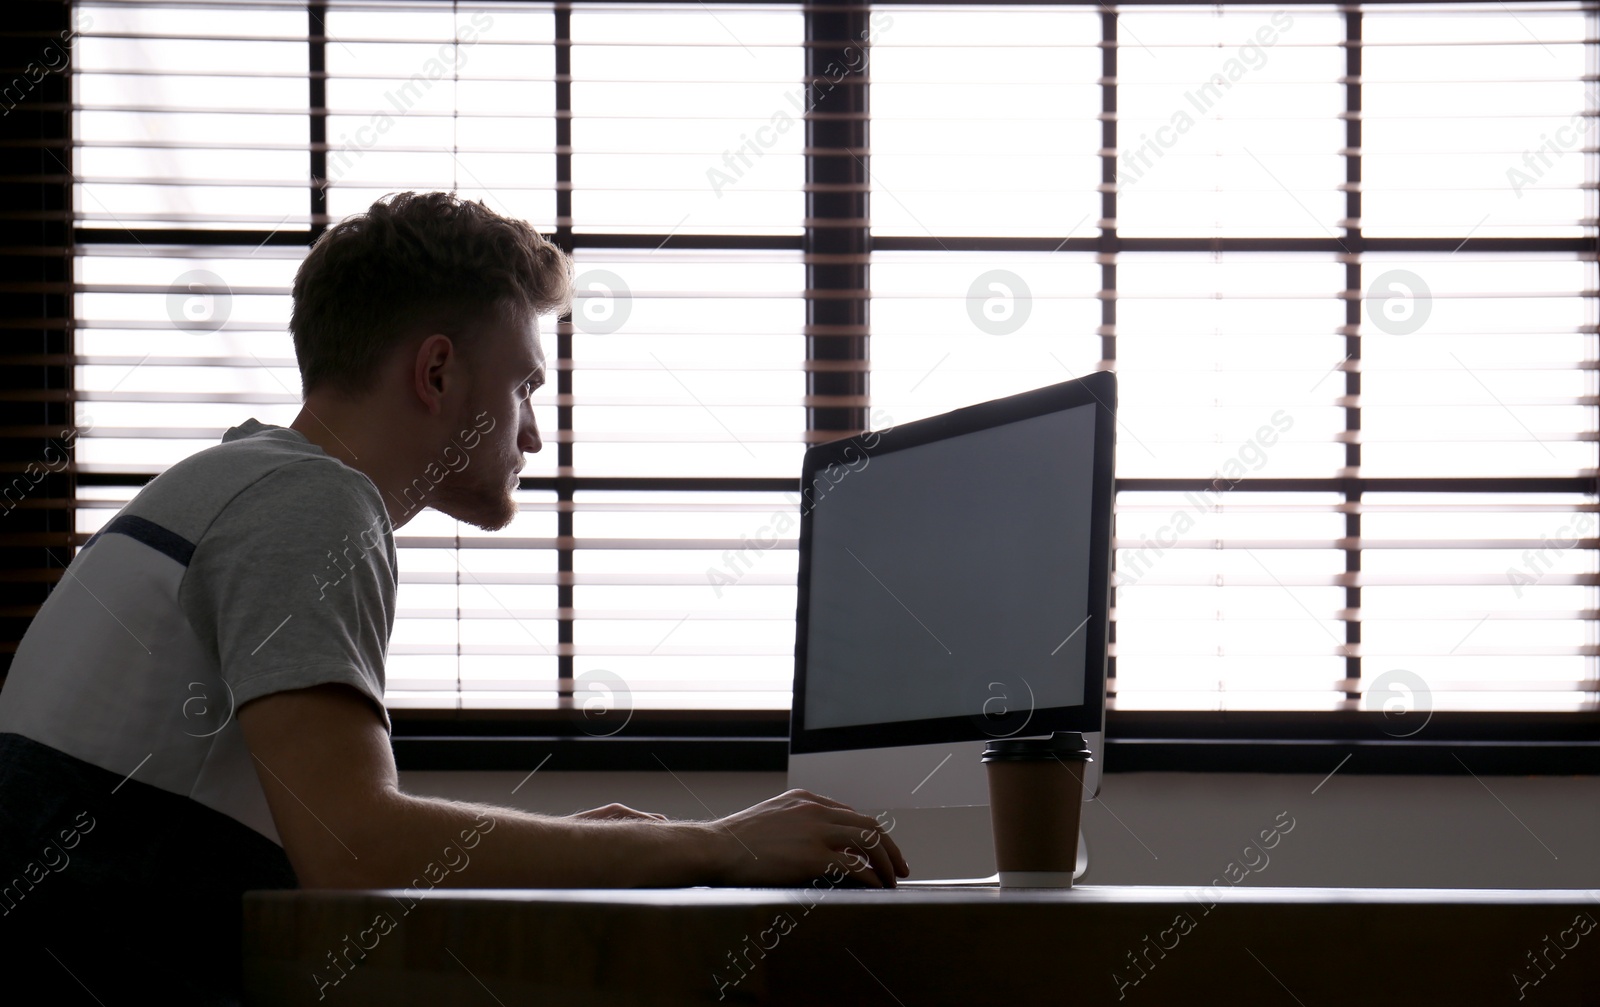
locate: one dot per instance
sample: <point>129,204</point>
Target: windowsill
<point>1453,744</point>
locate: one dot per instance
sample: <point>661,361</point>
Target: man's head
<point>417,320</point>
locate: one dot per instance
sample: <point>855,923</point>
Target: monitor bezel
<point>841,457</point>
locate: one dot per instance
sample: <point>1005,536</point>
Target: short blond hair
<point>413,261</point>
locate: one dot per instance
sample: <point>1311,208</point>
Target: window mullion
<point>563,377</point>
<point>837,239</point>
<point>1352,349</point>
<point>1107,240</point>
<point>317,89</point>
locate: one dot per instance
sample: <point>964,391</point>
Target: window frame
<point>837,244</point>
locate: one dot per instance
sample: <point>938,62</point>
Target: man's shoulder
<point>252,451</point>
<point>282,478</point>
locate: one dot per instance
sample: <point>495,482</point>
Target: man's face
<point>507,366</point>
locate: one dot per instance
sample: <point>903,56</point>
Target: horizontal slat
<point>780,615</point>
<point>818,43</point>
<point>555,437</point>
<point>789,544</point>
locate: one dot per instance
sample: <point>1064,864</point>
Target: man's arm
<point>324,761</point>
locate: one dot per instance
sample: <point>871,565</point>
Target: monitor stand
<point>993,880</point>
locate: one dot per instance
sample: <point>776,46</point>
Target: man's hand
<point>619,811</point>
<point>796,836</point>
<point>329,777</point>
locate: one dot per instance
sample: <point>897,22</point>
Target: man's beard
<point>472,497</point>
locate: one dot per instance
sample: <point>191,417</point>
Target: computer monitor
<point>954,586</point>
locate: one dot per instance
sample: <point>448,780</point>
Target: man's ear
<point>436,363</point>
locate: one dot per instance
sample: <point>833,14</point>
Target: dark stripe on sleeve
<point>151,534</point>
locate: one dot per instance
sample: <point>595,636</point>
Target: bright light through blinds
<point>1225,368</point>
<point>431,99</point>
<point>688,364</point>
<point>687,120</point>
<point>1237,364</point>
<point>1228,122</point>
<point>476,611</point>
<point>930,350</point>
<point>1492,373</point>
<point>689,597</point>
<point>985,121</point>
<point>1475,356</point>
<point>685,363</point>
<point>1210,349</point>
<point>161,375</point>
<point>1463,613</point>
<point>191,117</point>
<point>1235,606</point>
<point>151,392</point>
<point>1479,121</point>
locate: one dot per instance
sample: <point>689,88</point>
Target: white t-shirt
<point>255,566</point>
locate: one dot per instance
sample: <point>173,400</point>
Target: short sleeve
<point>293,584</point>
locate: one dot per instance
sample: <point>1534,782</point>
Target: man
<point>197,709</point>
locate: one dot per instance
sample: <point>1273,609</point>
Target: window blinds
<point>1342,260</point>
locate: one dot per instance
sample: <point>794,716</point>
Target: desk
<point>920,946</point>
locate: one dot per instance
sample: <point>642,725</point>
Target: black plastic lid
<point>1060,745</point>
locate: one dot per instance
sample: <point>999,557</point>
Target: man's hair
<point>415,263</point>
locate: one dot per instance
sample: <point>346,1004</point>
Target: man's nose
<point>528,435</point>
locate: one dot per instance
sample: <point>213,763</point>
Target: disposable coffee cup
<point>1035,796</point>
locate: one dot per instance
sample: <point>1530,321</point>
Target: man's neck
<point>326,427</point>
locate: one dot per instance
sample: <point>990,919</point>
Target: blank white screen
<point>940,570</point>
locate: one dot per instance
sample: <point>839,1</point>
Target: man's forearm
<point>424,843</point>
